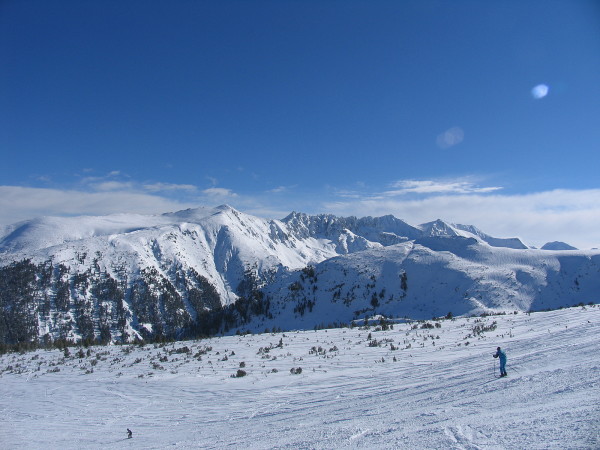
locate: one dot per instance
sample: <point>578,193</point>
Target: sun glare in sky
<point>540,91</point>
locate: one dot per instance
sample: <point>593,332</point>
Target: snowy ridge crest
<point>208,270</point>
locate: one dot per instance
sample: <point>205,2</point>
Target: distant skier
<point>500,354</point>
<point>129,434</point>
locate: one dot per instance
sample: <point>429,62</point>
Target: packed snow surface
<point>413,386</point>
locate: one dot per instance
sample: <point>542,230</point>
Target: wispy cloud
<point>219,192</point>
<point>21,203</point>
<point>111,193</point>
<point>116,181</point>
<point>111,181</point>
<point>437,187</point>
<point>345,193</point>
<point>166,187</point>
<point>112,186</point>
<point>281,189</point>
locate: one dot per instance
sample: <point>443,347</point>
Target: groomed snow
<point>439,393</point>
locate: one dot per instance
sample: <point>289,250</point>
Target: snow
<point>439,393</point>
<point>556,245</point>
<point>447,274</point>
<point>455,265</point>
<point>219,243</point>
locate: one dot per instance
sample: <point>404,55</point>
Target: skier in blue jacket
<point>500,354</point>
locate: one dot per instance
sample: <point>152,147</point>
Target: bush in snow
<point>180,350</point>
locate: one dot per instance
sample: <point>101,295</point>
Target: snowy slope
<point>125,276</point>
<point>218,243</point>
<point>515,243</point>
<point>439,228</point>
<point>556,245</point>
<point>406,387</point>
<point>430,277</point>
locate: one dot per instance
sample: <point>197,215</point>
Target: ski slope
<point>403,388</point>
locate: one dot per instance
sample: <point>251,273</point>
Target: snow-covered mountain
<point>218,243</point>
<point>431,277</point>
<point>557,245</point>
<point>208,270</point>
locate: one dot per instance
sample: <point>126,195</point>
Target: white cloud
<point>437,187</point>
<point>101,196</point>
<point>111,182</point>
<point>111,186</point>
<point>345,193</point>
<point>22,203</point>
<point>281,189</point>
<point>164,187</point>
<point>219,192</point>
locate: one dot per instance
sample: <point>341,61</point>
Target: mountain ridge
<point>214,270</point>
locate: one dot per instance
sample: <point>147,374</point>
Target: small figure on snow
<point>129,434</point>
<point>500,354</point>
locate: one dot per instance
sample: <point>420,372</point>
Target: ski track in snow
<point>434,396</point>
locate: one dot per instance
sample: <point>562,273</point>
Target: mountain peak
<point>225,207</point>
<point>438,228</point>
<point>557,245</point>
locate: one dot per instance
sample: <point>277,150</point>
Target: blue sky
<point>477,112</point>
